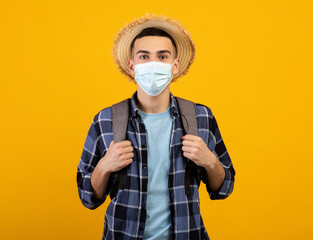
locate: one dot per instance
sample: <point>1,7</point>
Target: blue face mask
<point>153,77</point>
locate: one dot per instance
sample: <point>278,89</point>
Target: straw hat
<point>185,45</point>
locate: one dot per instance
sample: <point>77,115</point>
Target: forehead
<point>153,43</point>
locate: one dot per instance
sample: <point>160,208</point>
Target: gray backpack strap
<point>120,116</point>
<point>188,115</point>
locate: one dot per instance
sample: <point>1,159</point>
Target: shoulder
<point>203,110</point>
<point>104,115</point>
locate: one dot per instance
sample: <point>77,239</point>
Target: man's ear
<point>175,66</point>
<point>131,67</point>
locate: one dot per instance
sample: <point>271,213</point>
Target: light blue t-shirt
<point>158,129</point>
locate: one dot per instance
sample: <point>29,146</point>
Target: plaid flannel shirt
<point>126,213</point>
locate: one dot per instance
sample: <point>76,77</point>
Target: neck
<point>153,104</point>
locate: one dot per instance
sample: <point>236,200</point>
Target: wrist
<point>212,163</point>
<point>99,174</point>
<point>104,167</point>
<point>105,171</point>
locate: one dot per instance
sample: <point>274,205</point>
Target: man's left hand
<point>196,150</point>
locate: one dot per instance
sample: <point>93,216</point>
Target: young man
<point>154,204</point>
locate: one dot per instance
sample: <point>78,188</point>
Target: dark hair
<point>152,31</point>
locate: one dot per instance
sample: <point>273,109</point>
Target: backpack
<point>120,116</point>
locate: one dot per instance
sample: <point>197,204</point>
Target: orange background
<point>253,69</point>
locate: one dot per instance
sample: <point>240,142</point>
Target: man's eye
<point>143,57</point>
<point>163,57</point>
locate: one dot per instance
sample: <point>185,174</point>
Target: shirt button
<point>144,167</point>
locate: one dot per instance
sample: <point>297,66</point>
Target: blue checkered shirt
<point>126,213</point>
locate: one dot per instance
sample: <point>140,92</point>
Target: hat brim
<point>185,46</point>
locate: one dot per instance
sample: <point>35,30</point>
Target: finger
<point>190,137</point>
<point>187,149</point>
<point>126,150</point>
<point>124,163</point>
<point>129,149</point>
<point>123,154</point>
<point>188,155</point>
<point>188,143</point>
<point>129,156</point>
<point>127,162</point>
<point>191,150</point>
<point>123,144</point>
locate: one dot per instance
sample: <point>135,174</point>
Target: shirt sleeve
<point>90,157</point>
<point>217,146</point>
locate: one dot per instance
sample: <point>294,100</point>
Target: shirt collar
<point>134,110</point>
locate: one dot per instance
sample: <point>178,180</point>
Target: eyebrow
<point>158,52</point>
<point>164,51</point>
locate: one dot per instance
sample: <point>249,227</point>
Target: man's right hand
<point>118,156</point>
